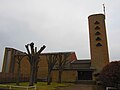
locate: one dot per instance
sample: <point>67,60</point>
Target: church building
<point>76,69</point>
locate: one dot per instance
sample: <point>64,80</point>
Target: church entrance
<point>84,75</point>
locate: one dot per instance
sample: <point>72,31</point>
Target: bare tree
<point>36,70</point>
<point>62,62</point>
<point>51,60</point>
<point>33,58</point>
<point>19,58</point>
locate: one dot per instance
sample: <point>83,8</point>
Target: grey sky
<point>62,25</point>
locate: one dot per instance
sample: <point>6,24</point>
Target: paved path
<point>78,87</point>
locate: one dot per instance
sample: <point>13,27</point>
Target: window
<point>8,58</point>
<point>98,44</point>
<point>96,22</point>
<point>97,28</point>
<point>97,33</point>
<point>98,39</point>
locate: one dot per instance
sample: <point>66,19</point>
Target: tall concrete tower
<point>98,41</point>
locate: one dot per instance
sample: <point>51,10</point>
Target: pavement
<point>78,87</point>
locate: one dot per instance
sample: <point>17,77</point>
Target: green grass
<point>53,86</point>
<point>42,85</point>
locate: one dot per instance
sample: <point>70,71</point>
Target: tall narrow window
<point>8,56</point>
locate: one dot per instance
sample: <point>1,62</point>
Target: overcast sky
<point>62,25</point>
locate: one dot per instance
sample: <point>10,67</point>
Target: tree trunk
<point>49,79</point>
<point>60,76</point>
<point>31,76</point>
<point>18,75</point>
<point>35,76</point>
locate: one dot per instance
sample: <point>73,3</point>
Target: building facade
<point>75,69</point>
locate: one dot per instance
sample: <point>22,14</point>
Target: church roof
<point>85,61</point>
<point>83,64</point>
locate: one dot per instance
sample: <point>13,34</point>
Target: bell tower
<point>98,41</point>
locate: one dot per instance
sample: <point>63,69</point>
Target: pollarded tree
<point>110,75</point>
<point>33,56</point>
<point>36,70</point>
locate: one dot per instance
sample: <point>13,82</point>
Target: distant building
<point>75,69</point>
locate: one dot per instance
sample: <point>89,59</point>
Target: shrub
<point>110,75</point>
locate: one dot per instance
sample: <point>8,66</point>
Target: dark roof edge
<point>56,53</point>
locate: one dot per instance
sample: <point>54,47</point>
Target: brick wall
<point>10,77</point>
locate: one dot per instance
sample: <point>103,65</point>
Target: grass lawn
<point>41,85</point>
